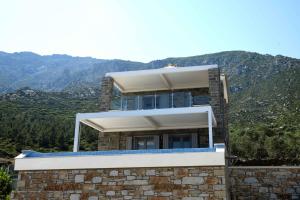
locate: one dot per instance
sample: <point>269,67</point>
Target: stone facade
<point>264,182</point>
<point>107,141</point>
<point>106,93</point>
<point>217,103</point>
<point>187,183</point>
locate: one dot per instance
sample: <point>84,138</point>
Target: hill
<point>264,99</point>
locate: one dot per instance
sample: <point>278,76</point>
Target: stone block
<point>75,197</point>
<point>96,179</point>
<point>127,172</point>
<point>150,172</point>
<point>250,180</point>
<point>219,187</point>
<point>110,193</point>
<point>159,179</point>
<point>93,198</point>
<point>79,178</point>
<point>192,180</point>
<point>165,194</point>
<point>114,173</point>
<point>136,182</point>
<point>129,178</point>
<point>219,172</point>
<point>148,193</point>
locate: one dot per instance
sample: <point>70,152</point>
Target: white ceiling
<point>162,79</point>
<point>156,119</point>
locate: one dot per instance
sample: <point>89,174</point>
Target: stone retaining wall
<point>264,182</point>
<point>187,183</point>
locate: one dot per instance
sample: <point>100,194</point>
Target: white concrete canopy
<point>167,78</point>
<point>142,120</point>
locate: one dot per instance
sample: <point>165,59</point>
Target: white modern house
<point>161,133</point>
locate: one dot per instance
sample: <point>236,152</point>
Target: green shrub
<point>5,184</point>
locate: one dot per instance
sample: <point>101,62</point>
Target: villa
<point>162,135</point>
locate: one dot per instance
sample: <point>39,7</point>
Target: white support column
<point>210,131</point>
<point>76,135</point>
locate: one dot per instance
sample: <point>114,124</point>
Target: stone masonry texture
<point>106,141</point>
<point>187,183</point>
<point>264,182</point>
<point>216,103</point>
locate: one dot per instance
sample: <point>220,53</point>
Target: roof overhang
<point>167,78</point>
<point>155,119</point>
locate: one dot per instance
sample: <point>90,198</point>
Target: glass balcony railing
<point>158,101</point>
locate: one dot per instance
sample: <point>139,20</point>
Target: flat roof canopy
<point>155,119</point>
<point>162,79</point>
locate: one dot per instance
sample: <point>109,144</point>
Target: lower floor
<point>158,139</point>
<point>159,183</point>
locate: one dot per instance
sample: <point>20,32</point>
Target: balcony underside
<point>162,79</point>
<point>155,119</point>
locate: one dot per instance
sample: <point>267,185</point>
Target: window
<point>145,142</point>
<point>147,102</point>
<point>181,99</point>
<point>129,103</point>
<point>163,100</point>
<point>200,100</point>
<point>180,141</point>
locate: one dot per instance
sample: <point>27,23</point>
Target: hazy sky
<point>147,30</point>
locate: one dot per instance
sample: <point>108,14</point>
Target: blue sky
<point>144,30</point>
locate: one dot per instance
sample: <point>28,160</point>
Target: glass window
<point>180,141</point>
<point>200,100</point>
<point>181,99</point>
<point>116,100</point>
<point>163,100</point>
<point>129,103</point>
<point>147,102</point>
<point>146,142</point>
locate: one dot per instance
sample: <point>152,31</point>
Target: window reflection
<point>163,100</point>
<point>160,100</point>
<point>130,103</point>
<point>147,102</point>
<point>181,99</point>
<point>180,141</point>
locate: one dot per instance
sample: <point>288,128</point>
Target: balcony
<point>158,100</point>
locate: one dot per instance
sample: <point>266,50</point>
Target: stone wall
<point>264,182</point>
<point>187,183</point>
<point>216,102</point>
<point>107,141</point>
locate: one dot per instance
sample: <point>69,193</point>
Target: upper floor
<point>169,87</point>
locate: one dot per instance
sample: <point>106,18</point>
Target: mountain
<point>264,94</point>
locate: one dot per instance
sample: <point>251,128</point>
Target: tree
<point>5,184</point>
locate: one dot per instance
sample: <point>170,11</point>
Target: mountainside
<point>264,94</point>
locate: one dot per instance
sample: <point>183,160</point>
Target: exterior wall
<point>106,93</point>
<point>107,141</point>
<point>216,103</point>
<point>187,183</point>
<point>264,182</point>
